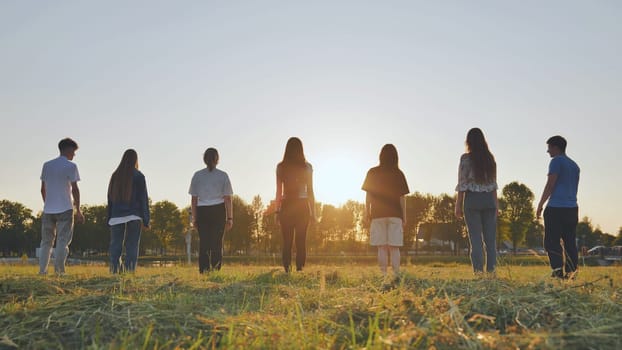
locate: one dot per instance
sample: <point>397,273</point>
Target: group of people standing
<point>385,207</point>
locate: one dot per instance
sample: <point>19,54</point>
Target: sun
<point>339,179</point>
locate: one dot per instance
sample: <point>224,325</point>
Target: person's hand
<point>539,212</point>
<point>146,227</point>
<point>459,213</point>
<point>228,225</point>
<point>194,224</point>
<point>404,222</point>
<point>79,217</point>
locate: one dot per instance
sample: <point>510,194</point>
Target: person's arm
<point>546,193</point>
<point>229,211</point>
<point>311,196</point>
<point>193,208</point>
<point>462,179</point>
<point>498,211</point>
<point>459,202</point>
<point>367,214</point>
<point>75,191</point>
<point>403,205</point>
<point>145,202</point>
<point>279,190</point>
<point>43,191</point>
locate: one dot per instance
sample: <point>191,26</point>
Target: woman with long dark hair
<point>385,206</point>
<point>212,210</point>
<point>295,201</point>
<point>128,209</point>
<point>477,200</point>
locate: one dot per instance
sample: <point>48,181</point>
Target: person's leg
<point>395,240</point>
<point>569,236</point>
<point>64,228</point>
<point>132,240</point>
<point>48,234</point>
<point>202,228</point>
<point>217,233</point>
<point>552,235</point>
<point>473,220</point>
<point>383,258</point>
<point>489,230</point>
<point>396,257</point>
<point>117,233</point>
<point>302,223</point>
<point>287,229</point>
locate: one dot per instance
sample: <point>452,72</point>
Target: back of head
<point>67,144</point>
<point>210,157</point>
<point>293,167</point>
<point>294,153</point>
<point>120,187</point>
<point>484,165</point>
<point>388,157</point>
<point>558,142</point>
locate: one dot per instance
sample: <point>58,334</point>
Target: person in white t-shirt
<point>59,182</point>
<point>212,210</point>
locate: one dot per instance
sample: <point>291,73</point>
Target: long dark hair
<point>293,166</point>
<point>294,153</point>
<point>210,157</point>
<point>120,186</point>
<point>388,157</point>
<point>484,165</point>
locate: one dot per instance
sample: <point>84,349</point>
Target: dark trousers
<point>128,235</point>
<point>294,219</point>
<point>561,223</point>
<point>211,226</point>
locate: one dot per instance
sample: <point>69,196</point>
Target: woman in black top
<point>385,206</point>
<point>295,200</point>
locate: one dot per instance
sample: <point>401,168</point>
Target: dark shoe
<point>557,273</point>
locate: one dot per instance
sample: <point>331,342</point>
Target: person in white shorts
<point>385,206</point>
<point>59,182</point>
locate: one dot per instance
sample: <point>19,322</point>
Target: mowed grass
<point>345,306</point>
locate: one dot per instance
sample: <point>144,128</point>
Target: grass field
<point>337,306</point>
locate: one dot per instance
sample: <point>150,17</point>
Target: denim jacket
<point>138,205</point>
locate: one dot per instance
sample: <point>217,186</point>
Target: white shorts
<point>386,231</point>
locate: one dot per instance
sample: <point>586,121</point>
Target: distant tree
<point>418,210</point>
<point>443,212</point>
<point>618,240</point>
<point>94,233</point>
<point>518,211</point>
<point>534,236</point>
<point>272,240</point>
<point>166,225</point>
<point>238,239</point>
<point>257,209</point>
<point>585,233</point>
<point>15,224</point>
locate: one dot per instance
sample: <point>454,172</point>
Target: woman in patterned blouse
<point>477,200</point>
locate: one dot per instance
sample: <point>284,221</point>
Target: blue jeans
<point>128,235</point>
<point>480,216</point>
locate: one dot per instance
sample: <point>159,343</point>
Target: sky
<point>170,79</point>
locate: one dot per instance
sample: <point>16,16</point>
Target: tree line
<point>431,225</point>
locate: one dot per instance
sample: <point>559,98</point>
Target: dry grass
<point>327,307</point>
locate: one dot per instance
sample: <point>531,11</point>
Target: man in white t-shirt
<point>59,182</point>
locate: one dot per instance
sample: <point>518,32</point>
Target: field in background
<point>333,306</point>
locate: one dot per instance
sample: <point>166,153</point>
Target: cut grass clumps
<point>327,306</point>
